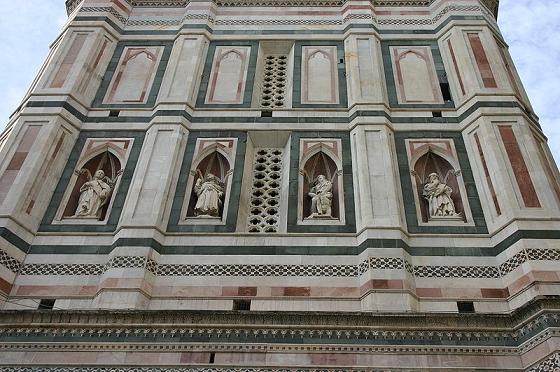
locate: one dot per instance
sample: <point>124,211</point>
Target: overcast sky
<point>531,28</point>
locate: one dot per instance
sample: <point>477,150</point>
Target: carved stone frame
<point>430,144</point>
<point>334,152</point>
<point>203,148</point>
<point>86,155</point>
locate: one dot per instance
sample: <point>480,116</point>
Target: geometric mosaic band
<point>248,270</point>
<point>551,364</point>
<point>187,369</point>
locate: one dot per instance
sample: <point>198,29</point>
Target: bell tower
<point>278,186</point>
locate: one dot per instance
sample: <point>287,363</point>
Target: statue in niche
<point>321,198</point>
<point>209,190</point>
<point>94,193</point>
<point>438,195</point>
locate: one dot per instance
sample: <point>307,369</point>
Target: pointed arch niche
<point>134,77</point>
<point>98,154</point>
<point>437,156</point>
<point>216,157</point>
<point>320,157</point>
<point>415,75</point>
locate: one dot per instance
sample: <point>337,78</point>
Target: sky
<point>530,27</point>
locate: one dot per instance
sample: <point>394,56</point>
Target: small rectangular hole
<point>46,304</point>
<point>212,358</point>
<point>445,92</point>
<point>436,114</point>
<point>465,306</point>
<point>341,60</point>
<point>244,305</point>
<point>114,113</point>
<point>266,114</point>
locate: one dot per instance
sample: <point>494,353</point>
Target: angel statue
<point>94,193</point>
<point>209,191</point>
<point>321,198</point>
<point>438,194</point>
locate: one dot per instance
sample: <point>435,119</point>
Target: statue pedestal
<point>457,217</point>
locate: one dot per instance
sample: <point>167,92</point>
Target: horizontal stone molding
<point>267,270</point>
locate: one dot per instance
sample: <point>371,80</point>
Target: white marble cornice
<point>492,5</point>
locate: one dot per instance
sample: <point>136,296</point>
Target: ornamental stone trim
<point>253,270</point>
<point>163,21</point>
<point>550,364</point>
<point>71,5</point>
<point>369,333</point>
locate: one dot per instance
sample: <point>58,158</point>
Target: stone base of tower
<point>527,339</point>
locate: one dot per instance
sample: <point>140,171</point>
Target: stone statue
<point>321,198</point>
<point>94,193</point>
<point>209,190</point>
<point>439,199</point>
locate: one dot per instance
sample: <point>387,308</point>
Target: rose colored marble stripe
<point>482,61</point>
<point>520,171</point>
<point>68,61</point>
<point>487,175</point>
<point>456,67</point>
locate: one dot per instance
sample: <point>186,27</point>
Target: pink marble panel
<point>68,61</point>
<point>18,158</point>
<point>54,290</point>
<point>429,292</point>
<point>240,358</point>
<point>482,61</point>
<point>45,172</point>
<point>519,167</point>
<point>487,175</point>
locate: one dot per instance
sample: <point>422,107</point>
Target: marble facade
<point>269,198</point>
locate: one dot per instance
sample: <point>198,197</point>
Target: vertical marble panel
<point>456,66</point>
<point>319,78</point>
<point>366,68</point>
<point>46,170</point>
<point>482,62</point>
<point>487,175</point>
<point>519,167</point>
<point>415,75</point>
<point>549,166</point>
<point>18,158</point>
<point>134,76</point>
<point>229,75</point>
<point>69,60</point>
<point>150,196</point>
<point>183,71</point>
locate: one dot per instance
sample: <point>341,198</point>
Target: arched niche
<point>134,76</point>
<point>431,161</point>
<point>107,158</point>
<point>214,160</point>
<point>415,75</point>
<point>320,85</point>
<point>321,161</point>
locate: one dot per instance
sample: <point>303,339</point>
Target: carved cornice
<point>549,307</point>
<point>492,5</point>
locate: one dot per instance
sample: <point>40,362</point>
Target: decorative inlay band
<point>252,270</point>
<point>551,364</point>
<point>382,21</point>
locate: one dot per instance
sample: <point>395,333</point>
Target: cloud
<point>532,30</point>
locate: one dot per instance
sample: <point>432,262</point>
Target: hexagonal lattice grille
<point>274,81</point>
<point>264,210</point>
